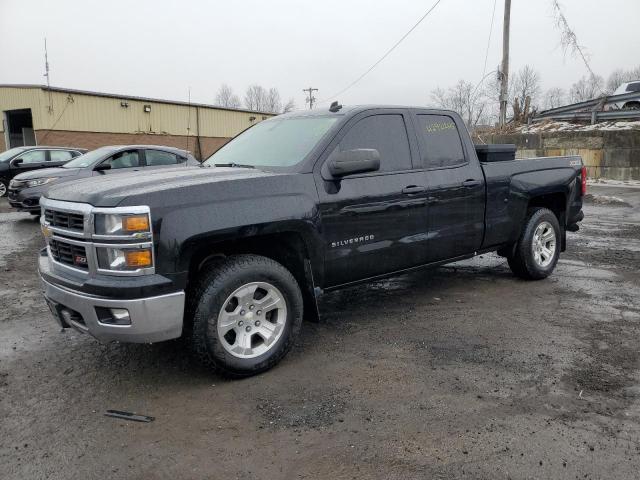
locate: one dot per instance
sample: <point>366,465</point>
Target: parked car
<point>26,189</point>
<point>24,159</point>
<point>628,87</point>
<point>233,255</point>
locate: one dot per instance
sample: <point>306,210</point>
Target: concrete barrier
<point>612,154</point>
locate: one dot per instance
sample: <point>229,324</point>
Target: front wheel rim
<point>252,319</point>
<point>544,244</point>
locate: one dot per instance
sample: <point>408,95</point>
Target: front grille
<point>71,221</point>
<point>68,254</point>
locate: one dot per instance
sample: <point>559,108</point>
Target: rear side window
<point>633,87</point>
<point>158,157</point>
<point>441,141</point>
<point>60,155</point>
<point>385,133</point>
<point>126,159</point>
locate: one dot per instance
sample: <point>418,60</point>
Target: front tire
<point>247,313</point>
<point>538,248</point>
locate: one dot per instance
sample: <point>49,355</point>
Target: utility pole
<point>310,98</point>
<point>504,74</point>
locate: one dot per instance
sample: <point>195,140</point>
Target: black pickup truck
<point>231,254</point>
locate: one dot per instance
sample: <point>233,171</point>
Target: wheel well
<point>286,248</point>
<point>556,202</point>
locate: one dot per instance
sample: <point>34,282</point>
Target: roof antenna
<point>335,107</point>
<point>46,74</point>
<point>186,164</point>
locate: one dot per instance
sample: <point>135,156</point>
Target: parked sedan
<point>25,189</point>
<point>24,159</point>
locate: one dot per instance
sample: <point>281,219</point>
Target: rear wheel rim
<point>252,319</point>
<point>544,244</point>
<point>3,189</point>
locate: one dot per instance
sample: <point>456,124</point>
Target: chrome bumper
<point>153,319</point>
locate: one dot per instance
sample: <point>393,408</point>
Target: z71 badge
<point>351,241</point>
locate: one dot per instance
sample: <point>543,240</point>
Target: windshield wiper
<point>233,165</point>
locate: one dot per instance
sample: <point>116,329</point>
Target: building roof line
<point>133,97</point>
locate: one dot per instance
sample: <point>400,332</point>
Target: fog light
<point>113,316</point>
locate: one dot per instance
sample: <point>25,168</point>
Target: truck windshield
<point>88,159</point>
<point>278,142</point>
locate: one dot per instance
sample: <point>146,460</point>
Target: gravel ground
<point>459,372</point>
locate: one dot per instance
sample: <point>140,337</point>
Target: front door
<point>31,160</point>
<point>374,223</point>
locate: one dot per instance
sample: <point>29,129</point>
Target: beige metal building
<point>37,115</point>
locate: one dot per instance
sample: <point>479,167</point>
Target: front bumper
<point>25,200</point>
<point>153,319</point>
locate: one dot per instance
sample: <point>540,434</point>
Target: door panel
<point>374,223</point>
<point>456,188</point>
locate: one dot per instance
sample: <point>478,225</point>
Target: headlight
<point>124,259</point>
<point>40,181</point>
<point>122,224</point>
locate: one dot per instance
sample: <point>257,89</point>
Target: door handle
<point>470,183</point>
<point>413,189</point>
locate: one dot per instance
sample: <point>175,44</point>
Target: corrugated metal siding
<point>88,113</point>
<point>19,98</point>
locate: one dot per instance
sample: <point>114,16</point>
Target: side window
<point>633,87</point>
<point>442,145</point>
<point>158,157</point>
<point>60,155</point>
<point>126,159</point>
<point>387,134</point>
<point>34,156</point>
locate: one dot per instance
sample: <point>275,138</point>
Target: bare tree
<point>255,98</point>
<point>554,97</point>
<point>586,88</point>
<point>273,103</point>
<point>619,76</point>
<point>260,99</point>
<point>526,83</point>
<point>290,106</point>
<point>226,97</point>
<point>463,98</point>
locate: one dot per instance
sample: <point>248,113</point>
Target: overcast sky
<point>158,48</point>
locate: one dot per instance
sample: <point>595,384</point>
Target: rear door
<point>161,158</point>
<point>373,223</point>
<point>456,186</point>
<point>59,157</point>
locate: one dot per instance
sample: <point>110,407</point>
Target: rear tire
<point>246,312</point>
<point>4,187</point>
<point>538,248</point>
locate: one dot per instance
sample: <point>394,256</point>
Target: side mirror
<point>102,167</point>
<point>354,161</point>
<point>17,161</point>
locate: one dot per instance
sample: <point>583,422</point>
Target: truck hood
<point>112,190</point>
<point>48,172</point>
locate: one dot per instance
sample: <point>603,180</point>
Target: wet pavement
<point>459,372</point>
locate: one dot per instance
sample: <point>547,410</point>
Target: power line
<point>486,55</point>
<point>383,56</point>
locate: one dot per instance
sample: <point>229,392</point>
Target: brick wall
<point>92,140</point>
